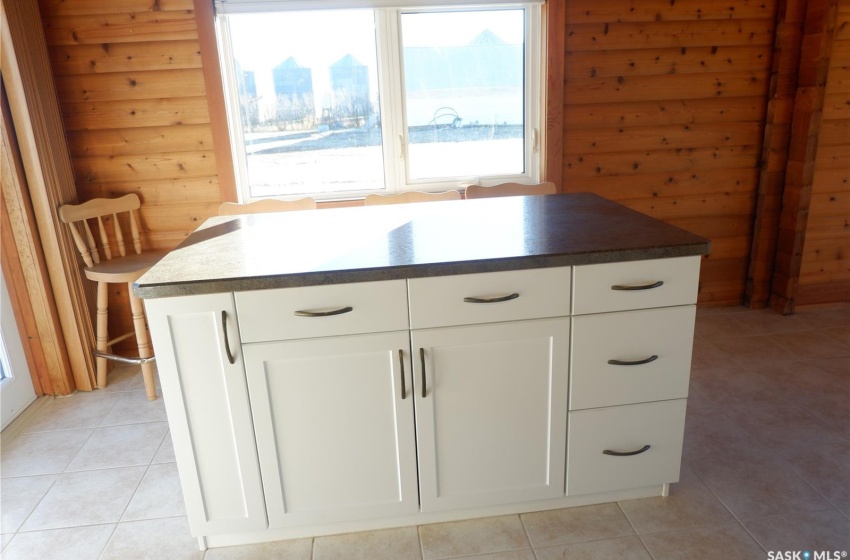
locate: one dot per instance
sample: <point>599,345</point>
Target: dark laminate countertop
<point>305,248</point>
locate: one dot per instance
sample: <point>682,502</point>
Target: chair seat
<point>123,269</point>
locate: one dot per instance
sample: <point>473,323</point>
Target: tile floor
<point>766,467</point>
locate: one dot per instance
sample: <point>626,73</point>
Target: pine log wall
<point>825,268</point>
<point>664,111</point>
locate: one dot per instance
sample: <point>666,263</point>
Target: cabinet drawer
<point>631,357</point>
<point>599,288</point>
<point>313,311</point>
<point>624,429</point>
<point>489,297</point>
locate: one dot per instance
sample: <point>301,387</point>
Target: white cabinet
<point>632,335</point>
<point>334,424</point>
<point>490,396</point>
<point>491,413</point>
<point>199,359</point>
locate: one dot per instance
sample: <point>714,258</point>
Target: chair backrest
<point>78,215</point>
<point>509,189</point>
<point>266,205</point>
<point>413,196</point>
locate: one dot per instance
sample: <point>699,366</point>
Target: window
<point>339,103</point>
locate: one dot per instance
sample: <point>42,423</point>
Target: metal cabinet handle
<point>639,287</point>
<point>422,359</point>
<point>401,363</point>
<point>490,299</point>
<point>324,313</point>
<point>633,363</point>
<point>230,357</point>
<point>627,453</point>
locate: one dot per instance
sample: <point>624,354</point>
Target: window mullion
<point>389,74</point>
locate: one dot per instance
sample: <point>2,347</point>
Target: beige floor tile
<point>812,531</point>
<point>780,424</point>
<point>718,326</point>
<point>832,410</point>
<point>709,433</point>
<point>296,549</point>
<point>706,355</point>
<point>135,408</point>
<point>526,554</point>
<point>79,543</point>
<point>475,536</point>
<point>826,468</point>
<point>705,543</point>
<point>690,504</point>
<point>19,496</point>
<point>153,539</point>
<point>587,523</point>
<point>387,544</point>
<point>120,446</point>
<point>766,321</point>
<point>80,410</point>
<point>729,385</point>
<point>165,453</point>
<point>86,498</point>
<point>624,548</point>
<point>41,453</point>
<point>749,350</point>
<point>810,344</point>
<point>5,538</point>
<point>159,495</point>
<point>756,484</point>
<point>804,379</point>
<point>122,378</point>
<point>840,334</point>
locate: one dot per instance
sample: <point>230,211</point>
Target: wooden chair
<point>413,196</point>
<point>266,205</point>
<point>509,189</point>
<point>107,268</point>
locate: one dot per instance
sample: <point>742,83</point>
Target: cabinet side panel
<point>205,398</point>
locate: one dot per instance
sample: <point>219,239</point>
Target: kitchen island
<point>360,368</point>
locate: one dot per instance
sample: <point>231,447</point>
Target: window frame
<point>394,129</point>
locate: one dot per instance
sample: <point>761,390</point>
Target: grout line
<point>637,534</point>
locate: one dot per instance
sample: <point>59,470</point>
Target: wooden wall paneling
<point>663,112</point>
<point>133,87</point>
<point>49,176</point>
<point>553,141</point>
<point>819,30</point>
<point>215,97</point>
<point>774,159</point>
<point>825,266</point>
<point>26,271</point>
<point>124,57</point>
<point>170,111</point>
<point>129,27</point>
<point>143,84</point>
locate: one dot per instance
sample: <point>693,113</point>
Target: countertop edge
<point>151,291</point>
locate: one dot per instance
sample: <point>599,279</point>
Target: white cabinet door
<point>206,397</point>
<point>334,423</point>
<point>491,412</point>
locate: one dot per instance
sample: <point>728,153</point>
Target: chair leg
<point>142,342</point>
<point>102,331</point>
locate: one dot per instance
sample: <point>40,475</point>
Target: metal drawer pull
<point>634,363</point>
<point>422,359</point>
<point>490,299</point>
<point>627,453</point>
<point>639,287</point>
<point>401,363</point>
<point>230,357</point>
<point>324,312</point>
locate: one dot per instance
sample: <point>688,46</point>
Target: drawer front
<point>624,429</point>
<point>631,357</point>
<point>316,311</point>
<point>599,288</point>
<point>489,297</point>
